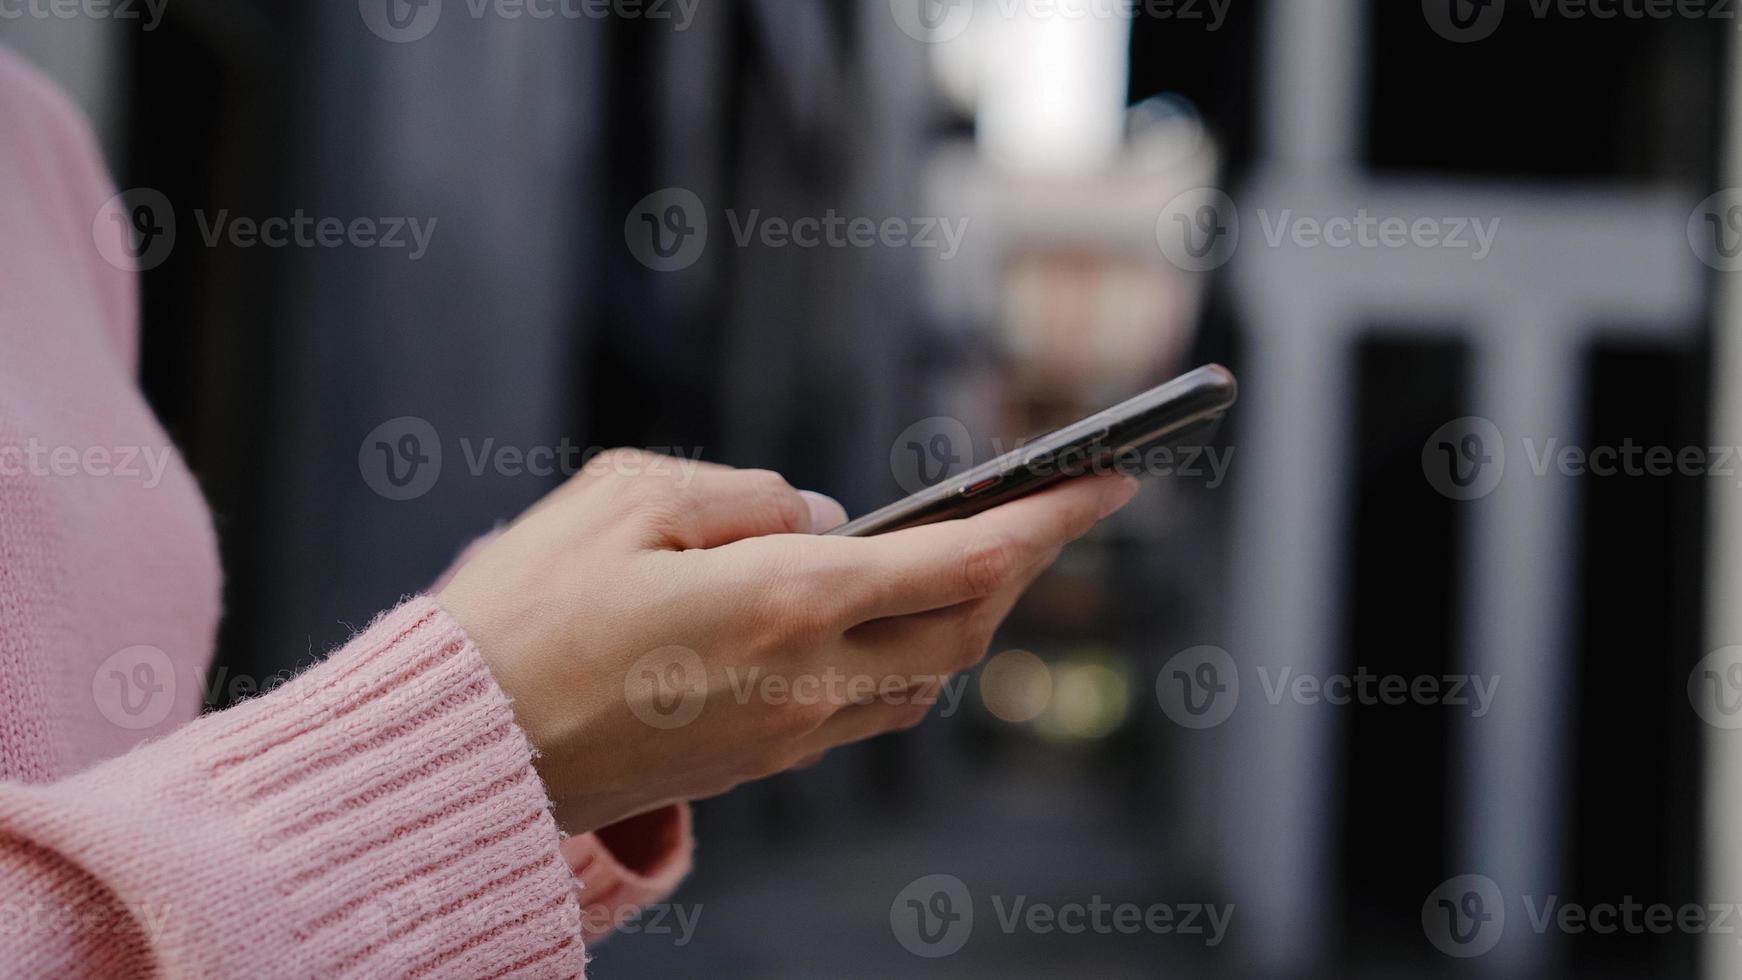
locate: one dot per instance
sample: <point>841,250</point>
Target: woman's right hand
<point>666,636</point>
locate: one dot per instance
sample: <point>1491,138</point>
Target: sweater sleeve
<point>627,866</point>
<point>377,816</point>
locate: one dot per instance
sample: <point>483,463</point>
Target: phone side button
<point>975,489</point>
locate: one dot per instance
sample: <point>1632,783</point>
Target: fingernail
<point>826,514</point>
<point>1117,495</point>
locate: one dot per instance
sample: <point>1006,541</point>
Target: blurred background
<point>1073,200</point>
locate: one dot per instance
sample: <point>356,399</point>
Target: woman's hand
<point>667,637</point>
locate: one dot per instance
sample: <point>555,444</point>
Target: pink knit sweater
<point>376,817</point>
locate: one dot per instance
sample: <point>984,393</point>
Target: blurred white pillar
<point>1518,578</point>
<point>1282,787</point>
<point>1281,784</point>
<point>1313,69</point>
<point>1723,778</point>
<point>1566,267</point>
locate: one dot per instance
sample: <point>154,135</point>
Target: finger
<point>839,582</point>
<point>620,462</point>
<point>941,565</point>
<point>739,504</point>
<point>938,641</point>
<point>860,722</point>
<point>627,462</point>
<point>826,512</point>
<point>732,505</point>
<point>719,506</point>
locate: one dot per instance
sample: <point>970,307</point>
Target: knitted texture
<point>378,816</point>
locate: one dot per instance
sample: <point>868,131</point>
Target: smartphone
<point>1187,408</point>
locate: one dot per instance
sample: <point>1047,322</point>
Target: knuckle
<point>988,563</point>
<point>780,506</point>
<point>662,509</point>
<point>768,481</point>
<point>617,473</point>
<point>791,605</point>
<point>618,462</point>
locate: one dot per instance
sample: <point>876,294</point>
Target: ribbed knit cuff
<point>622,868</point>
<point>377,816</point>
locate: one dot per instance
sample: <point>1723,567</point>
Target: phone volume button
<point>982,486</point>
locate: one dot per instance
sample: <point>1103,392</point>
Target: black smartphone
<point>1186,408</point>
